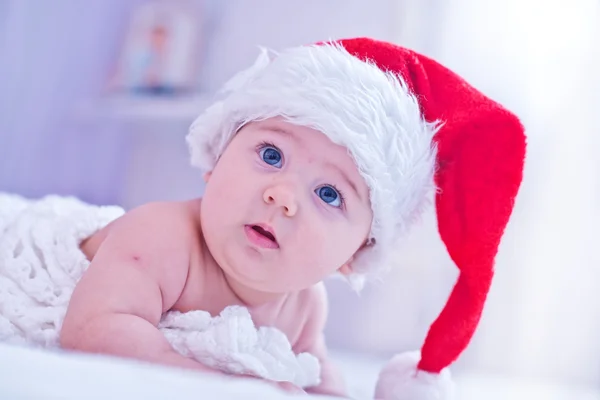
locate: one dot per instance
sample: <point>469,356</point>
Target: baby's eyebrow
<point>279,130</point>
<point>283,132</point>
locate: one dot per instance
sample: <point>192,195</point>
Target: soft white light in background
<point>540,58</point>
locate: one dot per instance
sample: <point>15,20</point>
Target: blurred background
<point>96,98</point>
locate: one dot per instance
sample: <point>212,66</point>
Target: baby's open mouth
<point>265,233</point>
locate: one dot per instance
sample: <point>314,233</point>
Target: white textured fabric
<point>230,342</point>
<point>401,380</point>
<point>40,264</point>
<point>356,105</point>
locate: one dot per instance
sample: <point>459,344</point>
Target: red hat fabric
<point>416,130</point>
<point>481,151</point>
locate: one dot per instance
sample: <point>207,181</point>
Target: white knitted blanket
<point>40,264</point>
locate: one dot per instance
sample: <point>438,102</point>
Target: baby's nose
<point>281,196</point>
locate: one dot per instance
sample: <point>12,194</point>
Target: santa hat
<point>415,130</point>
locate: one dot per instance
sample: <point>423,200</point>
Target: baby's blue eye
<point>329,195</point>
<point>271,156</point>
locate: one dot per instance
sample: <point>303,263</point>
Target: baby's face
<point>284,207</point>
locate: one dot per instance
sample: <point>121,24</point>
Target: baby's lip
<point>265,230</point>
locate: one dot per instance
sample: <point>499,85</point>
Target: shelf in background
<point>145,108</point>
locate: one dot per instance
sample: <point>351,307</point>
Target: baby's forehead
<point>302,135</point>
<point>317,146</point>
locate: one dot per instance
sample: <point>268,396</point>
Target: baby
<point>284,208</point>
<point>317,160</point>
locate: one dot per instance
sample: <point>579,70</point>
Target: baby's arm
<point>138,273</point>
<point>313,341</point>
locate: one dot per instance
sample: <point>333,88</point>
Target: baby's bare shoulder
<point>166,214</point>
<point>314,295</point>
<point>170,228</point>
<point>308,303</point>
<point>310,315</point>
<point>150,221</point>
<point>311,305</point>
<point>314,299</point>
<point>156,238</point>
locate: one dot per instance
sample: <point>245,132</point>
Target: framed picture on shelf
<point>160,54</point>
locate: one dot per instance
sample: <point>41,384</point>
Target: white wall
<point>53,55</point>
<point>242,27</point>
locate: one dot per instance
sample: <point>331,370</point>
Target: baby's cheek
<point>331,247</point>
<point>348,240</point>
<point>233,187</point>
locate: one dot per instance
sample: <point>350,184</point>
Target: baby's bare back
<point>158,256</point>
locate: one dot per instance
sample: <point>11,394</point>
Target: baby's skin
<point>283,209</point>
